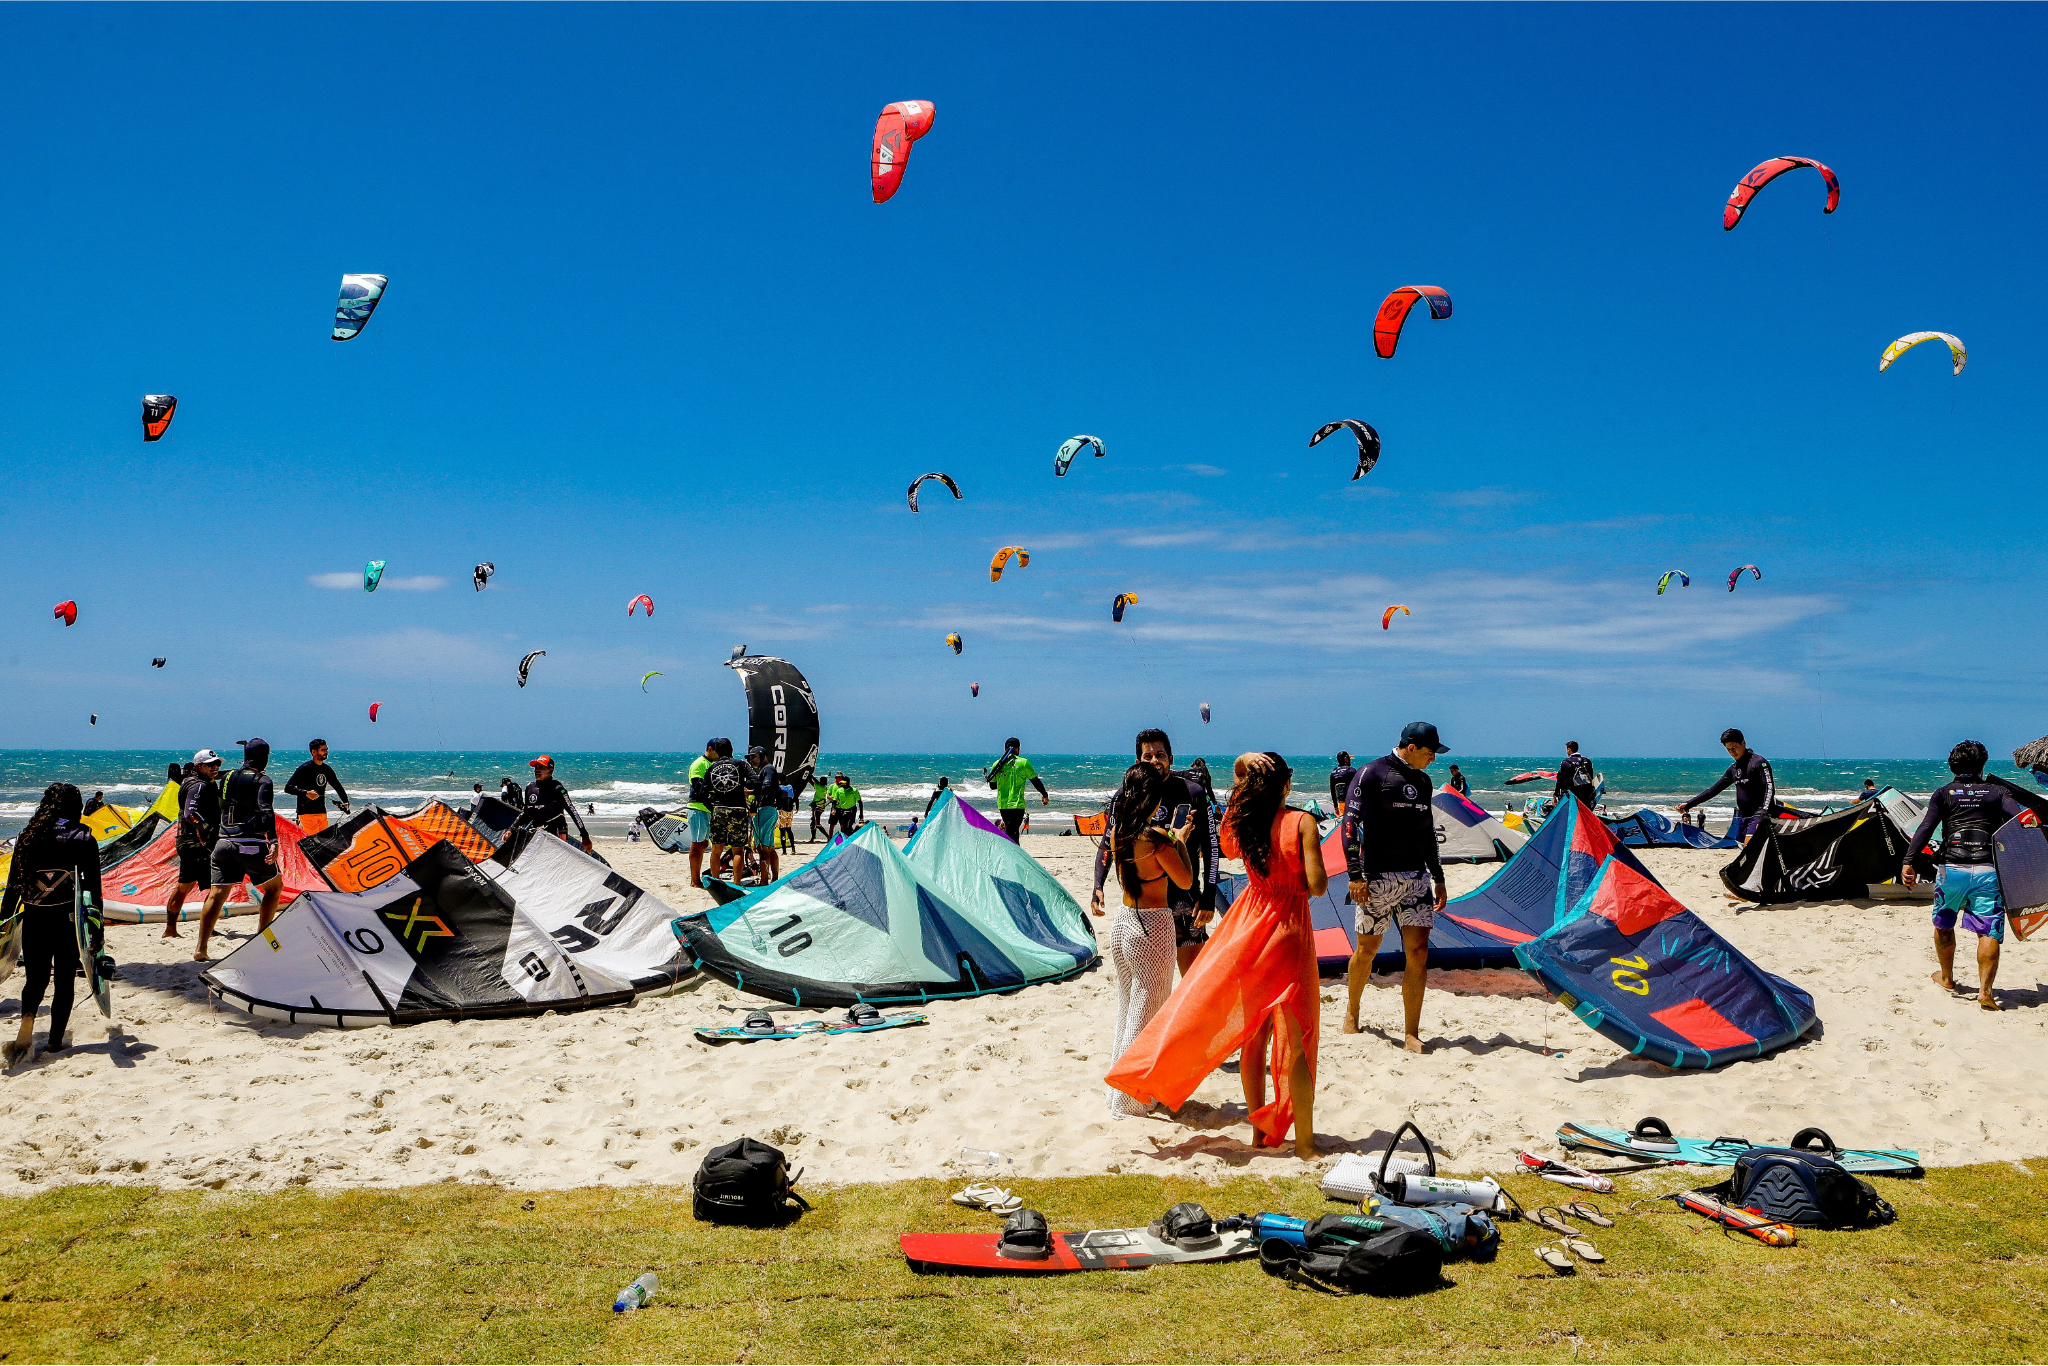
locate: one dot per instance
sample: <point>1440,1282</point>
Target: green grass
<point>467,1273</point>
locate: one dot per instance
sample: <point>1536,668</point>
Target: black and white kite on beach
<point>945,479</point>
<point>526,664</point>
<point>1368,442</point>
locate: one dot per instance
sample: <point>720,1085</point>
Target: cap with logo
<point>1422,733</point>
<point>205,756</point>
<point>544,761</point>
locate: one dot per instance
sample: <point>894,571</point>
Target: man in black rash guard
<point>1756,791</point>
<point>1575,775</point>
<point>198,828</point>
<point>1970,811</point>
<point>247,847</point>
<point>309,783</point>
<point>1390,851</point>
<point>1193,906</point>
<point>1340,779</point>
<point>547,806</point>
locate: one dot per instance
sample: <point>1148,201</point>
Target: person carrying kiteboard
<point>55,856</point>
<point>1970,812</point>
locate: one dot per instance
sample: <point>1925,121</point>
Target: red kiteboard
<point>1103,1249</point>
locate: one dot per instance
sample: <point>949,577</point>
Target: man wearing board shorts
<point>1970,812</point>
<point>1389,832</point>
<point>767,812</point>
<point>700,814</point>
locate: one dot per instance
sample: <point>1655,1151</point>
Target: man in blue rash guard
<point>1756,791</point>
<point>1970,812</point>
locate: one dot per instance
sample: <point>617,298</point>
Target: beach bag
<point>1391,1262</point>
<point>1803,1185</point>
<point>745,1181</point>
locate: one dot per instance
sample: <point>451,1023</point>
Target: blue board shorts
<point>765,821</point>
<point>1969,892</point>
<point>700,826</point>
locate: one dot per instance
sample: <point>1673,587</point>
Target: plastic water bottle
<point>636,1295</point>
<point>988,1155</point>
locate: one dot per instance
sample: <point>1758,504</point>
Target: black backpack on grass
<point>1343,1257</point>
<point>746,1181</point>
<point>1803,1185</point>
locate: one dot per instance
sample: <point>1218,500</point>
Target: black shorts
<point>231,865</point>
<point>1185,931</point>
<point>195,865</point>
<point>845,819</point>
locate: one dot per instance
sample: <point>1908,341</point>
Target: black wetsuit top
<point>198,813</point>
<point>1389,825</point>
<point>1969,811</point>
<point>1456,783</point>
<point>1340,785</point>
<point>1575,775</point>
<point>51,870</point>
<point>1204,847</point>
<point>1756,791</point>
<point>933,800</point>
<point>309,783</point>
<point>247,816</point>
<point>767,788</point>
<point>548,807</point>
<point>509,793</point>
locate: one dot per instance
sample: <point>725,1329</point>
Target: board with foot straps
<point>760,1024</point>
<point>1652,1141</point>
<point>89,922</point>
<point>1027,1246</point>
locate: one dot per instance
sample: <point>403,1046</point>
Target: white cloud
<point>416,583</point>
<point>335,580</point>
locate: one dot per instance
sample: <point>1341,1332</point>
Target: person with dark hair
<point>1193,905</point>
<point>1575,777</point>
<point>1869,792</point>
<point>247,847</point>
<point>1756,791</point>
<point>509,793</point>
<point>700,813</point>
<point>1150,859</point>
<point>767,811</point>
<point>1340,779</point>
<point>198,828</point>
<point>849,810</point>
<point>54,858</point>
<point>1970,812</point>
<point>1457,783</point>
<point>95,802</point>
<point>937,792</point>
<point>177,774</point>
<point>547,806</point>
<point>1254,988</point>
<point>309,783</point>
<point>1396,878</point>
<point>1008,777</point>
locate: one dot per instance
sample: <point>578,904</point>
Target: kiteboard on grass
<point>1653,1141</point>
<point>806,1028</point>
<point>1103,1249</point>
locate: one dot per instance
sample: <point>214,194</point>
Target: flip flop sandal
<point>1590,1212</point>
<point>1552,1257</point>
<point>1583,1250</point>
<point>994,1199</point>
<point>1552,1218</point>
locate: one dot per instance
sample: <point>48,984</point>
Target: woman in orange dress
<point>1254,987</point>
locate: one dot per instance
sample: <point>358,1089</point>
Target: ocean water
<point>614,787</point>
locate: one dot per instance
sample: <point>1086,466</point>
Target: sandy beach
<point>181,1094</point>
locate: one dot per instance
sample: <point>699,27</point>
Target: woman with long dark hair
<point>54,856</point>
<point>1147,856</point>
<point>1254,987</point>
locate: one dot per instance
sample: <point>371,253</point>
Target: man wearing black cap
<point>247,847</point>
<point>198,828</point>
<point>1396,878</point>
<point>548,807</point>
<point>767,811</point>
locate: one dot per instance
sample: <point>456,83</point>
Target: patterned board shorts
<point>730,826</point>
<point>1406,898</point>
<point>1969,892</point>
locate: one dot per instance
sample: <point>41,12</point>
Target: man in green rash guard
<point>700,814</point>
<point>848,810</point>
<point>1008,777</point>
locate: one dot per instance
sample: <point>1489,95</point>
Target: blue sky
<point>646,333</point>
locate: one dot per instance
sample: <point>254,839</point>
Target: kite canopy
<point>1368,442</point>
<point>359,296</point>
<point>1736,573</point>
<point>974,689</point>
<point>1386,329</point>
<point>372,846</point>
<point>945,479</point>
<point>782,714</point>
<point>526,664</point>
<point>1002,560</point>
<point>1122,600</point>
<point>961,912</point>
<point>66,612</point>
<point>481,575</point>
<point>1634,964</point>
<point>373,709</point>
<point>157,663</point>
<point>157,412</point>
<point>1764,174</point>
<point>1538,775</point>
<point>900,124</point>
<point>1205,713</point>
<point>953,639</point>
<point>1072,447</point>
<point>1956,353</point>
<point>1387,617</point>
<point>642,599</point>
<point>651,673</point>
<point>448,939</point>
<point>1820,858</point>
<point>1684,580</point>
<point>1648,829</point>
<point>138,882</point>
<point>373,574</point>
